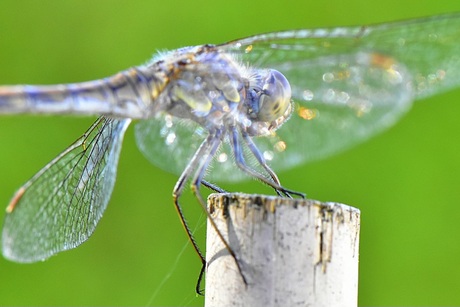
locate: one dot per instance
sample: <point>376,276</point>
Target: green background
<point>405,181</point>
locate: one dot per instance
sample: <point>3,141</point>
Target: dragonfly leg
<point>196,183</point>
<point>241,163</point>
<point>213,186</point>
<point>177,192</point>
<point>259,157</point>
<point>197,166</point>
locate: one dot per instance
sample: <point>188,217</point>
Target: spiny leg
<point>241,163</point>
<point>198,166</point>
<point>259,157</point>
<point>178,189</point>
<point>196,183</point>
<point>213,186</point>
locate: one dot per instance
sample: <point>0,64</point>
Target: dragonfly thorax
<point>215,90</point>
<point>207,89</point>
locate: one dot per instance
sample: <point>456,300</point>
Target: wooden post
<point>293,252</point>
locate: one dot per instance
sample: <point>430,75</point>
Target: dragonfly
<point>226,112</point>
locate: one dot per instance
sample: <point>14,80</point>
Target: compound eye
<point>275,97</point>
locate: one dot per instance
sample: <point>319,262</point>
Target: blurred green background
<point>405,181</point>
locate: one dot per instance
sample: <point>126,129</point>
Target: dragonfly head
<point>274,98</point>
<point>269,101</point>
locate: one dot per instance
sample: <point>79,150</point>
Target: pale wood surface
<point>293,252</point>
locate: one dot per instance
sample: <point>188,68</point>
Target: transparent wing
<point>335,77</point>
<point>349,99</point>
<point>60,206</point>
<point>362,99</point>
<point>428,47</point>
<point>169,142</point>
<point>348,84</point>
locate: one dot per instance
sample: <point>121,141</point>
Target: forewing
<point>427,47</point>
<point>60,206</point>
<point>349,98</point>
<point>349,84</point>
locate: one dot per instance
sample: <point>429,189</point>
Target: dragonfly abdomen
<point>126,94</point>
